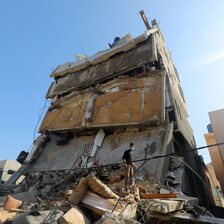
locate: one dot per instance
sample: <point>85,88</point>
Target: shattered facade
<point>128,93</point>
<point>99,104</point>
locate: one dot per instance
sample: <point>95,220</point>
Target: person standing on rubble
<point>128,166</point>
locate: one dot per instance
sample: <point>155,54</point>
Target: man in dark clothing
<point>128,166</point>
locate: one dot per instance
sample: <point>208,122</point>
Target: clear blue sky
<point>37,36</point>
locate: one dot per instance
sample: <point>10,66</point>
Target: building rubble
<point>93,198</point>
<point>130,92</point>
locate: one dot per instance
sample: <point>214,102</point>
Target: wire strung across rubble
<point>144,162</point>
<point>139,160</point>
<point>172,156</point>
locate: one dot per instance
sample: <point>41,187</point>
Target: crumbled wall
<point>141,103</point>
<point>148,142</point>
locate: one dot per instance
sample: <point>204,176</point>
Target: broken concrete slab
<point>165,206</point>
<point>98,141</point>
<point>130,211</point>
<point>7,215</point>
<point>15,176</point>
<point>74,216</point>
<point>79,192</point>
<point>188,201</point>
<point>126,43</point>
<point>97,186</point>
<point>100,205</point>
<point>171,204</point>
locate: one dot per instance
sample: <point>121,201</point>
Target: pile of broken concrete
<point>101,198</point>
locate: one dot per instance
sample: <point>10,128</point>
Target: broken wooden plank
<point>149,196</point>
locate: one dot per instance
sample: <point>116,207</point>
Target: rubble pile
<point>66,197</point>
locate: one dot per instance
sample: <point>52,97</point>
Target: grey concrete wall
<point>148,143</point>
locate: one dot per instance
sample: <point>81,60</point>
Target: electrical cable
<point>39,118</point>
<point>156,157</point>
<point>195,174</point>
<point>139,160</point>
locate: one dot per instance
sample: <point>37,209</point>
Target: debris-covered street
<point>65,197</point>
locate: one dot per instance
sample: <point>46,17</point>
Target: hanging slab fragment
<point>98,141</point>
<point>89,108</point>
<point>99,138</point>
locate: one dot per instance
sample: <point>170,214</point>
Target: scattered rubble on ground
<point>65,197</point>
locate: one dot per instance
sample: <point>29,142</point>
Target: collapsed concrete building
<point>99,104</point>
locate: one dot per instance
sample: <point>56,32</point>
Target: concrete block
<point>100,205</point>
<point>165,206</point>
<point>164,191</point>
<point>99,187</point>
<point>187,200</point>
<point>46,189</point>
<point>48,179</point>
<point>74,216</point>
<point>130,211</point>
<point>7,215</point>
<point>79,192</point>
